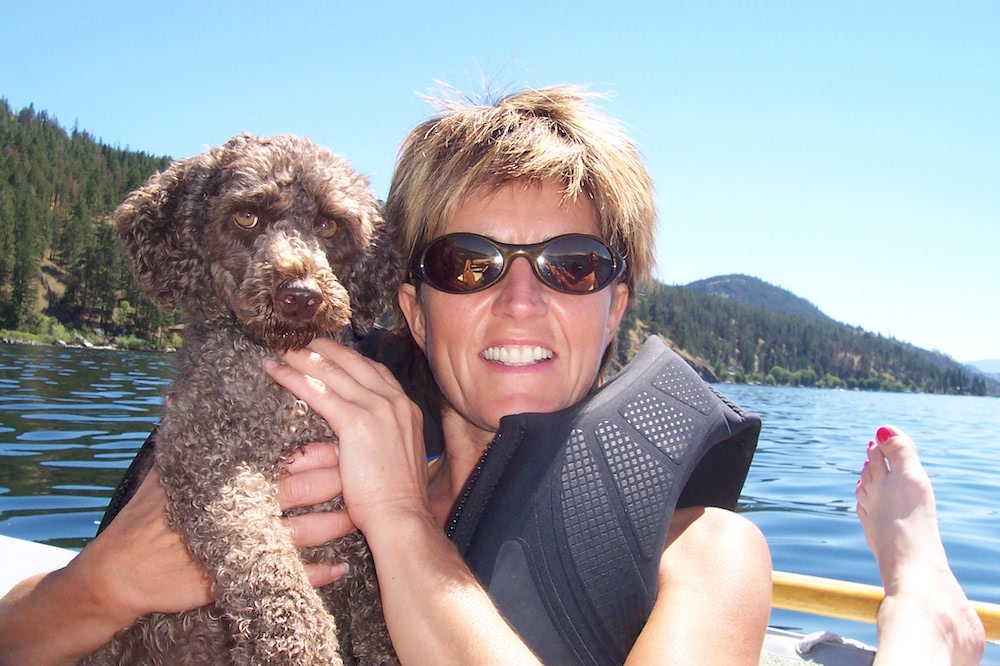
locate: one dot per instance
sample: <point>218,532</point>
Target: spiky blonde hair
<point>532,135</point>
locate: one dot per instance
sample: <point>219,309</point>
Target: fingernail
<point>340,569</point>
<point>883,434</point>
<point>270,364</point>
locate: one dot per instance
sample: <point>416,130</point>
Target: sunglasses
<point>463,263</point>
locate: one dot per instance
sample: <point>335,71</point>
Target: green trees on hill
<point>57,192</point>
<point>743,343</point>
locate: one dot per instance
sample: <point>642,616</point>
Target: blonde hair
<point>532,135</point>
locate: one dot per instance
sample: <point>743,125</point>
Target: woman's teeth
<point>517,355</point>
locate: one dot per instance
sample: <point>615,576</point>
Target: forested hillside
<point>754,291</point>
<point>59,259</point>
<point>61,274</point>
<point>741,343</point>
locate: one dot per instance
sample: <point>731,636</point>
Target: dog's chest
<point>227,392</point>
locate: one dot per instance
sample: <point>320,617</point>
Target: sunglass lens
<point>577,264</point>
<point>462,262</point>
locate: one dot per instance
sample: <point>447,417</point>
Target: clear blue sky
<point>846,151</point>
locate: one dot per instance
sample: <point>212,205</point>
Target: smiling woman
<point>529,223</point>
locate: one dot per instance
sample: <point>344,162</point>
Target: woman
<point>538,166</point>
<point>500,337</point>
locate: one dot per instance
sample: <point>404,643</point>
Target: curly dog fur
<point>263,244</point>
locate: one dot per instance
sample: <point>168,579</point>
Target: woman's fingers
<point>323,573</point>
<point>380,430</point>
<point>355,395</point>
<point>308,488</point>
<point>317,455</point>
<point>367,372</point>
<point>315,529</point>
<point>312,477</point>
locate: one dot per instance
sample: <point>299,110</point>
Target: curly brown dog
<point>263,244</point>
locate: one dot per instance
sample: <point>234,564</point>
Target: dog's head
<point>277,231</point>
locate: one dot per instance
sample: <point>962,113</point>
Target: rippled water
<point>71,420</point>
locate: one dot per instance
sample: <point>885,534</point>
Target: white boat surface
<point>20,559</point>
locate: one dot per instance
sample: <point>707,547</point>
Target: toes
<point>885,432</point>
<point>861,494</point>
<point>897,448</point>
<point>876,466</point>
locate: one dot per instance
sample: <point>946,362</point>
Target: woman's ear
<point>409,304</point>
<point>619,301</point>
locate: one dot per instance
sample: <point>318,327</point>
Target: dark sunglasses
<point>463,263</point>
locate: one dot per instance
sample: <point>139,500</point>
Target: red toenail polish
<point>871,444</point>
<point>883,434</point>
<point>866,464</point>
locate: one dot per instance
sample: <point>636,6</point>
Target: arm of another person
<point>714,596</point>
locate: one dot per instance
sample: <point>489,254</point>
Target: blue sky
<point>846,151</point>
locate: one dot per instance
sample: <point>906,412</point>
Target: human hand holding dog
<point>381,459</point>
<point>141,565</point>
<point>313,477</point>
<point>136,566</point>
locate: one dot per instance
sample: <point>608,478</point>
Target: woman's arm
<point>435,608</point>
<point>714,593</point>
<point>137,565</point>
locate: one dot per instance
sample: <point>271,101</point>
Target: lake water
<point>71,420</point>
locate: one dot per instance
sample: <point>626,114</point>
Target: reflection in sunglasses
<point>465,262</point>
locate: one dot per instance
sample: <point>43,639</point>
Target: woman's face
<point>553,342</point>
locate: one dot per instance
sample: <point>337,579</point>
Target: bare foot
<point>925,617</point>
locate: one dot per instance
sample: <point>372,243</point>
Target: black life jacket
<point>565,518</point>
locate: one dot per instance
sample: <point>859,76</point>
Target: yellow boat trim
<point>851,601</point>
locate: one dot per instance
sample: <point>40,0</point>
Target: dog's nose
<point>298,300</point>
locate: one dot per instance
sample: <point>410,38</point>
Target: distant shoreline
<point>19,338</point>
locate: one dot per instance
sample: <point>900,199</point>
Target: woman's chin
<point>526,405</point>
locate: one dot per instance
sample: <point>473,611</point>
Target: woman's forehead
<point>522,212</point>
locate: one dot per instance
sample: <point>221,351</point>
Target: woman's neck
<point>464,445</point>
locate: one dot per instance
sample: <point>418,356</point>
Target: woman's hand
<point>383,465</point>
<point>143,564</point>
<point>313,477</point>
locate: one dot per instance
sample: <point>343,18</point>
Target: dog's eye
<point>245,219</point>
<point>326,227</point>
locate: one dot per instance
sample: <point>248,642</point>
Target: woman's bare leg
<point>925,617</point>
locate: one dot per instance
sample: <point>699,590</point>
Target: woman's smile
<point>517,355</point>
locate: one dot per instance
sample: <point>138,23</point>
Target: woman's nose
<point>521,292</point>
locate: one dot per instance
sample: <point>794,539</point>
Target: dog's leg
<point>259,581</point>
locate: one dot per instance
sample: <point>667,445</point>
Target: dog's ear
<point>159,227</point>
<point>372,278</point>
